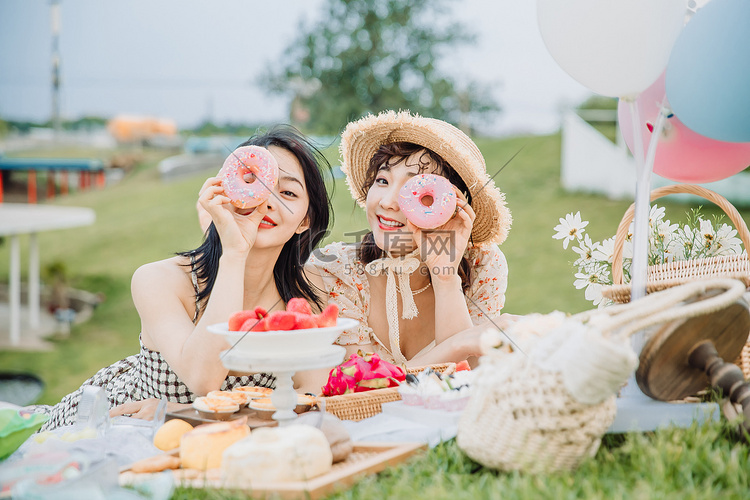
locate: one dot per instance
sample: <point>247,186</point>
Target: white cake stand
<point>284,397</point>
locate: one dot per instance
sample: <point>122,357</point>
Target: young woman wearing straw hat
<point>451,280</point>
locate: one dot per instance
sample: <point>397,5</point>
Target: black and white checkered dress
<point>141,376</point>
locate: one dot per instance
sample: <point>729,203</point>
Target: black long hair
<point>391,154</point>
<point>288,271</point>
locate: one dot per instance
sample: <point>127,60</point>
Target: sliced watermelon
<point>280,320</point>
<point>328,317</point>
<point>254,325</point>
<point>299,305</point>
<point>237,319</point>
<point>462,366</point>
<point>304,321</point>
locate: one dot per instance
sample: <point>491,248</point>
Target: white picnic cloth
<point>401,423</point>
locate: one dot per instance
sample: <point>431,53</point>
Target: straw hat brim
<point>361,140</point>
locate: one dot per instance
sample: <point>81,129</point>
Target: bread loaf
<point>202,447</point>
<point>276,454</point>
<point>168,436</point>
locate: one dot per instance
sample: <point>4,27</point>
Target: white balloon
<point>617,48</point>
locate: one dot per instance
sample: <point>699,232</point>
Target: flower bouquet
<point>697,238</point>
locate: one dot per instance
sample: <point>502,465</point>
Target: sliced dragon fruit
<point>362,372</point>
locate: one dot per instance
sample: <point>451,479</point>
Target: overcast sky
<point>189,59</point>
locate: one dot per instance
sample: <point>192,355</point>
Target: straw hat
<point>361,140</point>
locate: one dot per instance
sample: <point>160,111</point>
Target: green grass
<point>142,219</point>
<point>699,462</point>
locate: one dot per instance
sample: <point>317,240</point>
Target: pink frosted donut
<point>252,194</point>
<point>427,200</point>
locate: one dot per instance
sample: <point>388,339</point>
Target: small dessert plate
<point>215,408</point>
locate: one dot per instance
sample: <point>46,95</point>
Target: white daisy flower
<point>656,215</point>
<point>594,293</point>
<point>605,250</point>
<point>707,235</point>
<point>676,248</point>
<point>585,250</point>
<point>726,243</point>
<point>593,282</point>
<point>571,227</point>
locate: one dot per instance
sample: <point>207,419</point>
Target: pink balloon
<point>681,154</point>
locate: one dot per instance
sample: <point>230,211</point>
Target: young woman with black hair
<point>249,258</point>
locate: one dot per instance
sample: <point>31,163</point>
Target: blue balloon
<point>708,74</point>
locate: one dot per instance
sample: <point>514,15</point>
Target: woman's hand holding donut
<point>236,231</point>
<point>442,248</point>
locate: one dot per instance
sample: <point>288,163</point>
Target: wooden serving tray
<point>365,459</point>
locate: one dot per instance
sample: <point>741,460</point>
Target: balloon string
<point>645,167</point>
<point>639,264</point>
<point>664,112</point>
<point>642,199</point>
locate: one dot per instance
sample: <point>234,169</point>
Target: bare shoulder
<point>156,277</point>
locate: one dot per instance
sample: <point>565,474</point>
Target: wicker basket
<point>671,274</point>
<point>360,405</point>
<point>532,424</point>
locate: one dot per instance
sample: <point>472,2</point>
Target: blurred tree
<point>23,126</point>
<point>209,128</point>
<point>86,123</point>
<point>366,56</point>
<point>4,128</point>
<point>83,123</point>
<point>599,102</point>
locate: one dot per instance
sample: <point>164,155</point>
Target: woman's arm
<point>462,345</point>
<point>161,293</point>
<point>442,251</point>
<point>451,312</point>
<point>164,297</point>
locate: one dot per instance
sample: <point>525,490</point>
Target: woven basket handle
<point>717,199</point>
<point>664,306</point>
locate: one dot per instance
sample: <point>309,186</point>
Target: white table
<point>17,219</point>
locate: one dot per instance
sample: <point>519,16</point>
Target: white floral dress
<point>346,285</point>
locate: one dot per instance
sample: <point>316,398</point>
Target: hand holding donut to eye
<point>237,228</point>
<point>443,247</point>
<point>204,218</point>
